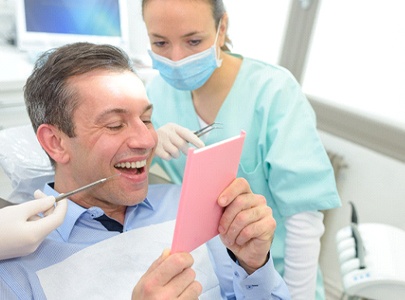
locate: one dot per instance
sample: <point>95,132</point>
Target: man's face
<point>114,134</point>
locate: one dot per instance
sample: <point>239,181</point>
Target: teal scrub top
<point>283,157</point>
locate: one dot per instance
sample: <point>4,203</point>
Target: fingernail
<point>165,253</point>
<point>222,201</point>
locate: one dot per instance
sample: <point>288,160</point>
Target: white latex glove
<point>22,230</point>
<point>173,138</point>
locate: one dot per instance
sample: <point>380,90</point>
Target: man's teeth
<point>131,165</point>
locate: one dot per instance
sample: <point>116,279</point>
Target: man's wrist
<point>247,268</point>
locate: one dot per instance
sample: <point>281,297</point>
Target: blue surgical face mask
<point>191,72</point>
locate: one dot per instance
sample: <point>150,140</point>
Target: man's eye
<point>115,127</point>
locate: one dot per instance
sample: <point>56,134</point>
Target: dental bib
<point>110,269</point>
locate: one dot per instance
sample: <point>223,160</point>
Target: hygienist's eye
<point>194,42</point>
<point>159,44</point>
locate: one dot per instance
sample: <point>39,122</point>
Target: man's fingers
<point>170,270</point>
<point>169,277</point>
<point>237,187</point>
<point>172,265</point>
<point>156,263</point>
<point>192,292</point>
<point>253,227</point>
<point>182,281</point>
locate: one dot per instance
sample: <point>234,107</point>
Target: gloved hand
<point>173,138</point>
<point>22,230</point>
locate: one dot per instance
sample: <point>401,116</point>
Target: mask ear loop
<point>216,39</point>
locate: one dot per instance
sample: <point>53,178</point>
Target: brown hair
<point>218,10</point>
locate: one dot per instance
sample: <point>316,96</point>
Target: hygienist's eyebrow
<point>191,34</point>
<point>186,35</point>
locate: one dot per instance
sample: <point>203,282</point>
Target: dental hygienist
<point>22,229</point>
<point>283,158</point>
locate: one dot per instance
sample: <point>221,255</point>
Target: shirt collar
<point>74,211</point>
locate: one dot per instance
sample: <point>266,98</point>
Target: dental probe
<point>68,194</point>
<point>207,129</point>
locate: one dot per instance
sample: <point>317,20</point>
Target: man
<point>91,114</point>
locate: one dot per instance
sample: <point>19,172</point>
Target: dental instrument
<point>68,194</point>
<point>207,129</point>
<point>359,247</point>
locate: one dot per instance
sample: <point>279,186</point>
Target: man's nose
<point>142,136</point>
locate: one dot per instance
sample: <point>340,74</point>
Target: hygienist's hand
<point>169,277</point>
<point>247,225</point>
<point>173,138</point>
<point>22,230</point>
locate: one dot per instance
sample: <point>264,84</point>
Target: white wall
<point>256,27</point>
<point>375,184</point>
<point>138,37</point>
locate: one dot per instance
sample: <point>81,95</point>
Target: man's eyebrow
<point>148,108</point>
<point>121,111</point>
<point>108,112</point>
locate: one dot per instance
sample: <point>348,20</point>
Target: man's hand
<point>247,225</point>
<point>22,229</point>
<point>169,277</point>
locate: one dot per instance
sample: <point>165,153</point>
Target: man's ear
<point>52,140</point>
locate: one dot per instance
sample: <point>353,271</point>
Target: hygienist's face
<point>114,134</point>
<point>179,28</point>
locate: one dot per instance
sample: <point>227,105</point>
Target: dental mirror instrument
<point>207,129</point>
<point>68,194</point>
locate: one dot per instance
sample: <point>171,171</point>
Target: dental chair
<point>4,203</point>
<point>372,260</point>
